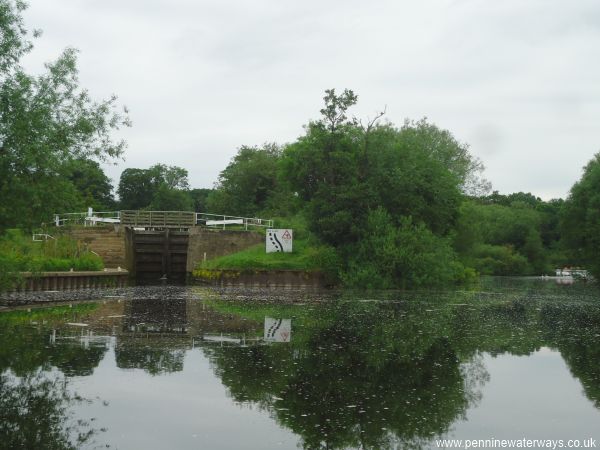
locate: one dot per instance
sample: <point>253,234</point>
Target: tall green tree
<point>343,170</point>
<point>45,121</point>
<point>444,147</point>
<point>581,218</point>
<point>136,188</point>
<point>250,185</point>
<point>170,199</point>
<point>91,182</point>
<point>402,185</point>
<point>155,188</point>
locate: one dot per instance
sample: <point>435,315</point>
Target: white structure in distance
<point>279,240</point>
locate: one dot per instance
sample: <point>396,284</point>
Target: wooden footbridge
<point>159,219</point>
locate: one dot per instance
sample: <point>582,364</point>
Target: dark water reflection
<point>514,359</point>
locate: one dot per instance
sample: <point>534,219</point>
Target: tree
<point>402,185</point>
<point>502,237</point>
<point>249,184</point>
<point>136,188</point>
<point>45,121</point>
<point>454,155</point>
<point>139,188</point>
<point>170,199</point>
<point>91,182</point>
<point>581,218</point>
<point>199,199</point>
<point>344,170</point>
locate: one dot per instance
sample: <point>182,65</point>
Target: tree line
<point>397,206</point>
<point>408,206</point>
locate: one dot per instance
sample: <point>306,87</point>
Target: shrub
<point>409,255</point>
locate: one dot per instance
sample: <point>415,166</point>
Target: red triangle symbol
<point>286,235</point>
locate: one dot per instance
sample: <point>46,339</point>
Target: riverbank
<point>22,259</point>
<point>307,266</point>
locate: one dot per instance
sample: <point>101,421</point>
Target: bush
<point>409,255</point>
<point>500,260</point>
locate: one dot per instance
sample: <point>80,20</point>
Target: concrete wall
<point>261,278</point>
<point>217,243</point>
<point>108,241</point>
<point>66,281</point>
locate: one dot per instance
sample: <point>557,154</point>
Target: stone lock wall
<point>107,241</point>
<point>217,243</point>
<point>116,247</point>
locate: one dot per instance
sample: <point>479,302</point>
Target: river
<point>508,360</point>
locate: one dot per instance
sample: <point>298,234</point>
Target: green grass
<point>19,253</point>
<point>303,257</point>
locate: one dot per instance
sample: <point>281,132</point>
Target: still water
<point>191,368</point>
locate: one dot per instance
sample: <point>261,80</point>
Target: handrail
<point>88,218</point>
<point>217,220</point>
<point>159,219</point>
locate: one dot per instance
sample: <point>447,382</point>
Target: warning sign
<point>279,240</point>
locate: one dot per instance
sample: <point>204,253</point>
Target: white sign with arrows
<point>279,240</point>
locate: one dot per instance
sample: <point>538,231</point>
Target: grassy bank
<point>304,257</point>
<point>19,253</point>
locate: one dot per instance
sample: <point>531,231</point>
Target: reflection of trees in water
<point>475,376</point>
<point>381,375</point>
<point>575,331</point>
<point>154,356</point>
<point>368,376</point>
<point>25,349</point>
<point>34,414</point>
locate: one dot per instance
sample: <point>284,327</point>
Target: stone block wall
<point>217,243</point>
<point>108,241</point>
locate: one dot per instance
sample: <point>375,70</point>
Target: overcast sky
<point>518,80</point>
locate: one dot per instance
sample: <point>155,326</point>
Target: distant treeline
<point>397,206</point>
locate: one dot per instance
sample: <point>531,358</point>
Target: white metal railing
<point>40,237</point>
<point>89,218</point>
<point>222,220</point>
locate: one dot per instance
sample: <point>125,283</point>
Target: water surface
<point>190,368</point>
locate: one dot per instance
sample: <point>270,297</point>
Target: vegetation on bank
<point>304,257</point>
<point>397,207</point>
<point>19,253</point>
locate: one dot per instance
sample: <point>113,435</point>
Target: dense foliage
<point>160,188</point>
<point>509,235</point>
<point>250,184</point>
<point>400,206</point>
<point>48,125</point>
<point>581,218</point>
